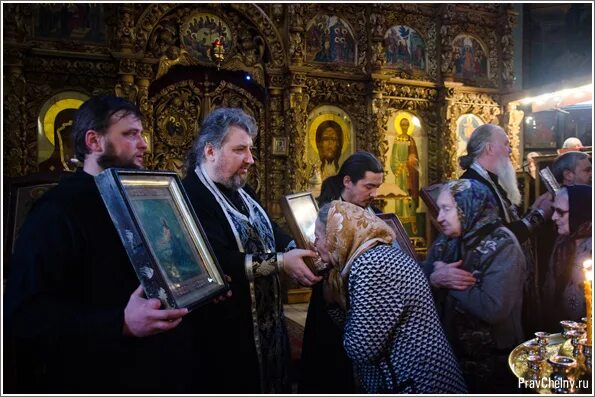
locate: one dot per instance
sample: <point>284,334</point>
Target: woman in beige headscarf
<point>392,332</point>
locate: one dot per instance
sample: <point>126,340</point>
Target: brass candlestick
<point>562,374</point>
<point>542,340</point>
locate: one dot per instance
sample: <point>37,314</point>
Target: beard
<point>234,182</point>
<point>109,159</point>
<point>507,179</point>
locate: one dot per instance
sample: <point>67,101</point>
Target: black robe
<point>64,307</point>
<point>517,227</point>
<point>233,366</point>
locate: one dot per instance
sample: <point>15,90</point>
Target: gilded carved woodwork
<point>513,129</point>
<point>267,41</point>
<point>459,102</point>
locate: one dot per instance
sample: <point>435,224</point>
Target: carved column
<point>296,103</point>
<point>448,163</point>
<point>513,129</point>
<point>377,59</point>
<point>379,119</point>
<point>278,164</point>
<point>126,35</point>
<point>19,155</point>
<point>19,159</point>
<point>144,76</point>
<point>296,32</point>
<point>507,20</point>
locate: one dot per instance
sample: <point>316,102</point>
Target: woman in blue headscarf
<point>477,270</point>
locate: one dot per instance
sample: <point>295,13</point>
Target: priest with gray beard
<point>488,161</point>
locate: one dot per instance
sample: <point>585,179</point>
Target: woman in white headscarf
<point>392,332</point>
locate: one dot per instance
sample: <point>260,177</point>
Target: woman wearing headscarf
<point>481,313</point>
<point>563,292</point>
<point>392,332</point>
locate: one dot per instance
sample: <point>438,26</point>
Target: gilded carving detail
<point>142,34</point>
<point>458,103</point>
<point>513,129</point>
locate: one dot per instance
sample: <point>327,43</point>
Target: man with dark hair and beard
<point>75,318</point>
<point>248,336</point>
<point>487,161</point>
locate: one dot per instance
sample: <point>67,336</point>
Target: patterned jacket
<point>393,334</point>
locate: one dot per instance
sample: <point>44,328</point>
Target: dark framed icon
<point>20,194</point>
<point>165,242</point>
<point>300,211</point>
<point>402,237</point>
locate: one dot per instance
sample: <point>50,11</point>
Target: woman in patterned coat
<point>392,332</point>
<point>481,307</point>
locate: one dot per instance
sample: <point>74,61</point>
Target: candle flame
<point>588,268</point>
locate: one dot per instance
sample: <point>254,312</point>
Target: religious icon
<point>200,31</point>
<point>54,137</point>
<point>330,39</point>
<point>162,235</point>
<point>404,48</point>
<point>404,163</point>
<point>469,58</point>
<point>405,166</point>
<point>280,146</point>
<point>330,140</point>
<point>466,124</point>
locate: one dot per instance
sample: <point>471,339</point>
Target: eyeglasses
<point>560,211</point>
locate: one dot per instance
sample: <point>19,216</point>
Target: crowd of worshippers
<point>77,321</point>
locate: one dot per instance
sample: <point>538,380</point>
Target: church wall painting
<point>470,60</point>
<point>330,140</point>
<point>330,39</point>
<point>199,32</point>
<point>71,21</point>
<point>406,170</point>
<point>404,49</point>
<point>55,147</point>
<point>466,124</point>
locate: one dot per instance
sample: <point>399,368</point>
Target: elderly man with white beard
<point>488,161</point>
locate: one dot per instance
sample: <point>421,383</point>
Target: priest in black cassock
<point>325,367</point>
<point>75,319</point>
<point>247,333</point>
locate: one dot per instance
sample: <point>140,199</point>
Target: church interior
<point>407,82</point>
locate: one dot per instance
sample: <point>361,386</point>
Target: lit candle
<point>588,268</point>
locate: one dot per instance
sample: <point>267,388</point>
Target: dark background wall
<point>557,43</point>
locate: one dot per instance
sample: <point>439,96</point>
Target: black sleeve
<point>520,230</point>
<point>46,288</point>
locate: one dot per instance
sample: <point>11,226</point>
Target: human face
<point>232,161</point>
<point>560,216</point>
<point>363,191</point>
<point>500,146</point>
<point>329,144</point>
<point>320,241</point>
<point>448,216</point>
<point>583,172</point>
<point>123,144</point>
<point>404,124</point>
